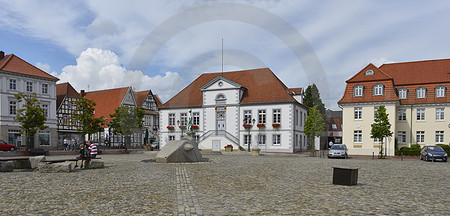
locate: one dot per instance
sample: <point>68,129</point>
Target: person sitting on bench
<point>83,155</point>
<point>92,149</point>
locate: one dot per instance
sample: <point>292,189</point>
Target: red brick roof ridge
<point>12,56</point>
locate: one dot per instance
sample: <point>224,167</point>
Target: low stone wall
<point>55,167</point>
<point>6,166</point>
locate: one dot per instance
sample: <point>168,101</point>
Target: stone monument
<point>184,150</point>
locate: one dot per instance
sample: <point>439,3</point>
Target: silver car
<point>338,151</point>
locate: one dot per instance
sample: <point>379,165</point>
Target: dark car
<point>433,153</point>
<point>338,151</point>
<point>7,147</point>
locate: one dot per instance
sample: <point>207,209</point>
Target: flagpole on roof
<point>222,57</point>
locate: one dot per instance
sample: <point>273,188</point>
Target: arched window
<point>221,99</point>
<point>403,93</point>
<point>358,90</point>
<point>421,92</point>
<point>440,91</point>
<point>369,72</point>
<point>378,89</point>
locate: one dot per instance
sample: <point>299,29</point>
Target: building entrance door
<point>221,122</point>
<point>216,145</point>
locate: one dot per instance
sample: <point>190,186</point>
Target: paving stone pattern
<point>234,183</point>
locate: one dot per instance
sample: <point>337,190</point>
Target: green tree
<point>31,116</point>
<point>312,98</point>
<point>126,120</point>
<point>381,127</point>
<point>83,118</point>
<point>314,125</point>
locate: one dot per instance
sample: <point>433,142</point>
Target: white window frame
<point>401,115</point>
<point>358,90</point>
<point>439,137</point>
<point>262,116</point>
<point>196,118</point>
<point>378,89</point>
<point>247,139</point>
<point>403,93</point>
<point>171,119</point>
<point>375,111</point>
<point>334,126</point>
<point>358,113</point>
<point>248,116</point>
<point>357,136</point>
<point>377,140</point>
<point>12,107</point>
<point>420,114</point>
<point>183,119</point>
<point>277,116</point>
<point>12,84</point>
<point>45,108</point>
<point>440,91</point>
<point>420,136</point>
<point>171,137</point>
<point>421,92</point>
<point>401,136</point>
<point>276,139</point>
<point>44,88</point>
<point>369,72</point>
<point>29,86</point>
<point>262,139</point>
<point>440,114</point>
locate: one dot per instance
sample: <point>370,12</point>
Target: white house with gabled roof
<point>241,108</point>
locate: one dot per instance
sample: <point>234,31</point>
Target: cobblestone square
<point>234,183</point>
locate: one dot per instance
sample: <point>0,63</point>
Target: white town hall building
<point>238,108</point>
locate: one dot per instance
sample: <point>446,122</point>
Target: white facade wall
<point>288,129</point>
<point>7,121</point>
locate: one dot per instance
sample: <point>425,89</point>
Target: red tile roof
<point>141,96</point>
<point>262,86</point>
<point>296,91</point>
<point>107,100</point>
<point>157,100</point>
<point>410,75</point>
<point>419,72</point>
<point>63,90</point>
<point>12,63</point>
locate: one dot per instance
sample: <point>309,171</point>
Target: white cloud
<point>346,36</point>
<point>99,69</point>
<point>43,66</point>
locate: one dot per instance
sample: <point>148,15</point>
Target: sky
<point>165,45</point>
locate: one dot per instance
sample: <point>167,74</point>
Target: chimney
<point>2,55</point>
<point>83,93</point>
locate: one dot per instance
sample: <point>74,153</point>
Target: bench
<point>69,159</point>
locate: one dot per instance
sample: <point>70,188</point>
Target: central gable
<point>220,83</point>
<point>129,98</point>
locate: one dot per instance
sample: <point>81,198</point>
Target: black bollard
<point>373,156</point>
<point>402,156</point>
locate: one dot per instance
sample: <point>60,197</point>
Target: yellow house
<point>415,95</point>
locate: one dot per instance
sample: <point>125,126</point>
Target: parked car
<point>7,147</point>
<point>338,151</point>
<point>155,145</point>
<point>433,153</point>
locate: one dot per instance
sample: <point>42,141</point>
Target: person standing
<point>66,143</point>
<point>73,144</point>
<point>92,149</point>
